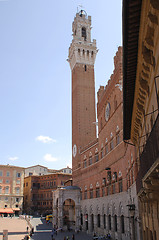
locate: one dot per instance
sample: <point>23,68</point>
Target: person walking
<point>52,234</point>
<point>73,237</point>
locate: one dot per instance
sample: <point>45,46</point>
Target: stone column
<point>89,224</point>
<point>60,214</point>
<point>54,222</point>
<point>102,223</point>
<point>119,227</point>
<point>77,216</point>
<point>132,228</point>
<point>112,227</point>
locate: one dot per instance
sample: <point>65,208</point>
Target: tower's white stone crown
<point>82,50</point>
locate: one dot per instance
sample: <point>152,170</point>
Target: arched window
<point>7,190</point>
<point>96,157</point>
<point>104,220</point>
<point>85,163</point>
<point>117,138</point>
<point>98,220</point>
<point>91,193</point>
<point>97,192</point>
<point>109,222</point>
<point>106,149</point>
<point>81,219</point>
<point>84,33</point>
<point>85,194</point>
<point>92,221</point>
<point>111,145</point>
<point>122,224</point>
<point>115,223</point>
<point>120,186</point>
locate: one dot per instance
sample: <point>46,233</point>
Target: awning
<point>6,210</point>
<point>16,209</point>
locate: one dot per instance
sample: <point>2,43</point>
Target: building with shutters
<point>11,189</point>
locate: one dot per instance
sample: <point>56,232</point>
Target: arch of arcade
<point>66,207</point>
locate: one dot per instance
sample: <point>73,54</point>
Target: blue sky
<point>35,78</point>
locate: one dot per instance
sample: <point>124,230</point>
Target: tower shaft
<point>82,53</point>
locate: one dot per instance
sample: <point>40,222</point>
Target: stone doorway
<point>69,214</point>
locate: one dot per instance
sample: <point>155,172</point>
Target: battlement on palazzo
<point>113,78</point>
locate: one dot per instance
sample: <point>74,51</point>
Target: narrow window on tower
<point>84,33</point>
<point>85,68</point>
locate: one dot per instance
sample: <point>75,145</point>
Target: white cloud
<point>49,158</point>
<point>45,139</point>
<point>13,158</point>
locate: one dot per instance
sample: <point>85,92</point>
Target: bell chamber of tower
<point>82,54</point>
<point>82,50</point>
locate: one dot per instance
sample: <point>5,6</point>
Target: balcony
<point>149,157</point>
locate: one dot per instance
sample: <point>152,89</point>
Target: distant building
<point>36,170</point>
<point>38,191</point>
<point>67,170</point>
<point>11,189</point>
<point>39,170</point>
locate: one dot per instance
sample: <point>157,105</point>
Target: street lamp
<point>131,209</point>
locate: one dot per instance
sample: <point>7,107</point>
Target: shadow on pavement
<point>14,233</point>
<point>44,226</point>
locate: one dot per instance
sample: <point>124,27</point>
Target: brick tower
<point>82,54</point>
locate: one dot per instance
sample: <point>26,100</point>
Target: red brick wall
<point>83,108</point>
<point>118,158</point>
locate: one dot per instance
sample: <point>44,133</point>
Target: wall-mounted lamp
<point>131,209</point>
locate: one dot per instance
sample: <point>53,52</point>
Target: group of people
<point>67,238</point>
<point>29,233</point>
<point>54,232</point>
<point>107,237</point>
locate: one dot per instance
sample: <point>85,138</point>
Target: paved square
<point>16,228</point>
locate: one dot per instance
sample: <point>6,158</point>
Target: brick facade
<point>38,192</point>
<point>104,168</point>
